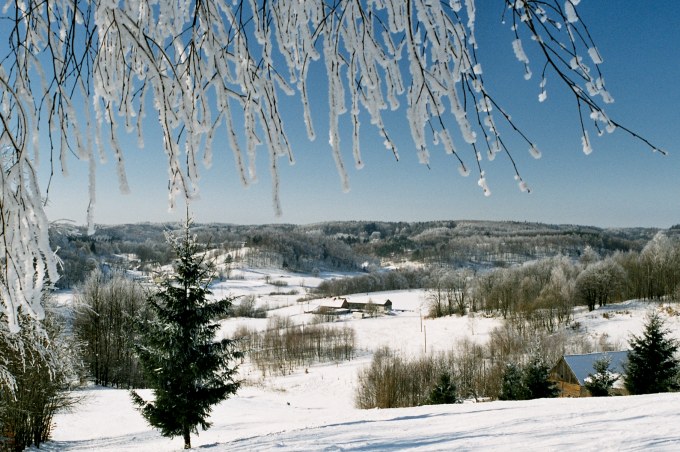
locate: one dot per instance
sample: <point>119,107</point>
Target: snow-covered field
<point>314,409</point>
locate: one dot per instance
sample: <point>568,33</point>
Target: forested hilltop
<point>343,246</point>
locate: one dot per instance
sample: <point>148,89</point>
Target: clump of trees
<point>400,279</point>
<point>282,348</point>
<point>544,293</point>
<point>449,292</point>
<point>392,381</point>
<point>247,307</point>
<point>109,307</point>
<point>527,382</point>
<point>512,365</point>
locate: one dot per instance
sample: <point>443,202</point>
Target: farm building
<point>571,371</point>
<point>336,305</point>
<point>370,305</point>
<point>339,305</point>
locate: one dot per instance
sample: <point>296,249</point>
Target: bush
<point>248,308</point>
<point>40,365</point>
<point>393,382</point>
<point>536,380</point>
<point>512,386</point>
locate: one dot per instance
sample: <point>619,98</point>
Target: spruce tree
<point>512,386</point>
<point>652,364</point>
<point>187,369</point>
<point>536,380</point>
<point>600,383</point>
<point>445,391</point>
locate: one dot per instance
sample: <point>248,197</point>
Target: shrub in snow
<point>41,361</point>
<point>392,381</point>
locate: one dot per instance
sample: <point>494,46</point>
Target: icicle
<point>595,55</point>
<point>585,141</point>
<point>570,12</point>
<point>93,197</point>
<point>483,184</point>
<point>521,57</point>
<point>543,95</point>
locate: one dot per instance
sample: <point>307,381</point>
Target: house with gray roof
<point>571,371</point>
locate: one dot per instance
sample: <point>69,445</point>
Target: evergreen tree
<point>529,382</point>
<point>652,364</point>
<point>444,392</point>
<point>187,369</point>
<point>536,380</point>
<point>512,386</point>
<point>600,383</point>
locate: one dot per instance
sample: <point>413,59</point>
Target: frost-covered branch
<point>564,41</point>
<point>78,72</point>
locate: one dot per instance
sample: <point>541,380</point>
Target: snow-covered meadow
<point>313,409</point>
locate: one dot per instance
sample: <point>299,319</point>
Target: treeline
<point>342,245</point>
<point>81,253</point>
<point>400,279</point>
<point>543,293</point>
<point>304,252</point>
<point>489,244</point>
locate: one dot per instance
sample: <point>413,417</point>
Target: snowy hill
<point>313,409</point>
<point>261,420</point>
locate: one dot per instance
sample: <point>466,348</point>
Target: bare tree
<point>80,70</point>
<point>108,306</point>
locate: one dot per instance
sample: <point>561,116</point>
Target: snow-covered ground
<point>261,420</point>
<point>314,409</point>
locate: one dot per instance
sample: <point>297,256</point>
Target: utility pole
<point>425,331</point>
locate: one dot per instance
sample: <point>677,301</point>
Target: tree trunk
<point>187,439</point>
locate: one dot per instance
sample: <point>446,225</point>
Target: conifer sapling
<point>188,370</point>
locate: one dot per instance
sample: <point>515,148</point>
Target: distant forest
<point>343,246</point>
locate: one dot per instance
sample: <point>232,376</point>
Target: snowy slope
<point>314,410</point>
<point>262,420</point>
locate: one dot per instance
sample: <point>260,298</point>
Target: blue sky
<point>621,183</point>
